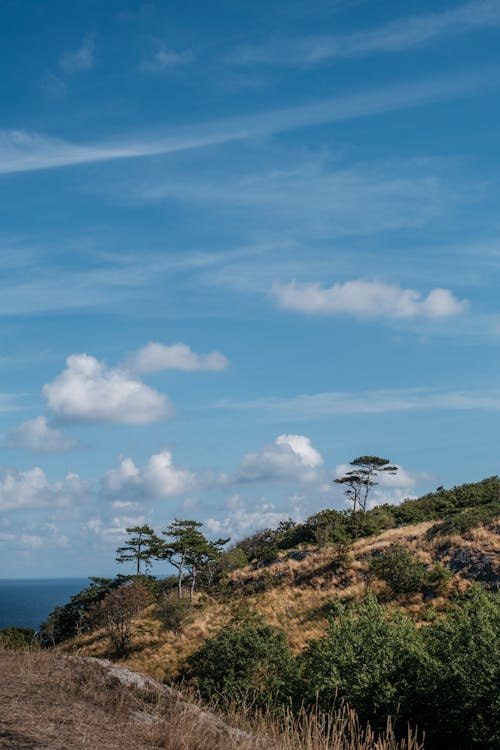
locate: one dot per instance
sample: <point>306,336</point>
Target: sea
<point>27,602</point>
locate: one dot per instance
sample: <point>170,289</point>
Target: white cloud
<point>32,489</point>
<point>82,59</point>
<point>89,391</point>
<point>289,458</point>
<point>367,299</point>
<point>36,435</point>
<point>159,478</point>
<point>115,529</point>
<point>23,151</point>
<point>155,357</point>
<point>403,34</point>
<point>166,59</point>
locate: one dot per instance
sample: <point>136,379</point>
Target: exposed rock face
<point>474,565</point>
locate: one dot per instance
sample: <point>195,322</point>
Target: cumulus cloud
<point>241,520</point>
<point>38,436</point>
<point>367,299</point>
<point>159,478</point>
<point>290,457</point>
<point>155,357</point>
<point>82,59</point>
<point>32,489</point>
<point>89,391</point>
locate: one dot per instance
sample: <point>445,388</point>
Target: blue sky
<point>241,244</point>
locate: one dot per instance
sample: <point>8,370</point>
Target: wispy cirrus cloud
<point>165,59</point>
<point>396,36</point>
<point>80,60</point>
<point>327,404</point>
<point>24,151</point>
<point>367,299</point>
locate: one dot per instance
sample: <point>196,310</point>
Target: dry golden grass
<point>50,702</point>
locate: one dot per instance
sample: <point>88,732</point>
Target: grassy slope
<point>291,594</point>
<point>49,702</point>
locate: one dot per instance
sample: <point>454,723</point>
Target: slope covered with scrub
<point>294,591</point>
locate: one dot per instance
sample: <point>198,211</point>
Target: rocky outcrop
<point>473,565</point>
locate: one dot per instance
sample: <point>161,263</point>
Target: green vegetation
<point>400,569</point>
<point>246,661</point>
<point>462,508</point>
<point>443,678</point>
<point>16,638</point>
<point>73,619</point>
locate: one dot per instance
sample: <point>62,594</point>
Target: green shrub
<point>17,638</point>
<point>261,547</point>
<point>465,520</point>
<point>328,526</point>
<point>458,697</point>
<point>400,569</point>
<point>246,661</point>
<point>369,658</point>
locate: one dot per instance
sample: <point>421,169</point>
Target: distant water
<point>27,602</point>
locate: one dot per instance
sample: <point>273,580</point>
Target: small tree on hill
<point>140,548</point>
<point>116,612</point>
<point>180,537</point>
<point>201,555</point>
<point>361,479</point>
<point>187,548</point>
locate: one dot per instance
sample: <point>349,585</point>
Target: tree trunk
<point>193,583</point>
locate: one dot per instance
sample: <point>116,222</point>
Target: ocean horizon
<point>27,602</point>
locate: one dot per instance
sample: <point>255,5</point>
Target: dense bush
<point>444,677</point>
<point>370,658</point>
<point>245,661</point>
<point>260,547</point>
<point>458,695</point>
<point>398,567</point>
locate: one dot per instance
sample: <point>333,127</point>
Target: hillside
<point>340,622</point>
<point>54,703</point>
<point>294,591</point>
